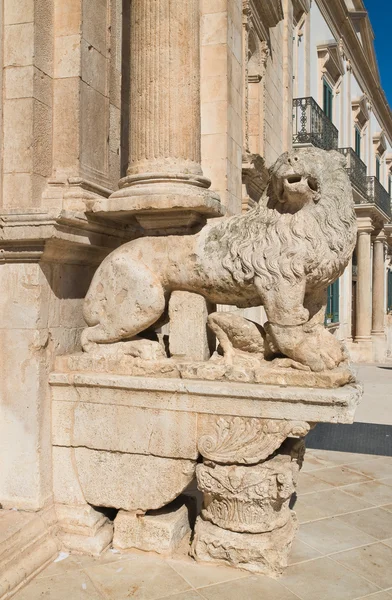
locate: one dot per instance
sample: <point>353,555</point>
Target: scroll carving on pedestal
<point>247,441</point>
<point>281,255</point>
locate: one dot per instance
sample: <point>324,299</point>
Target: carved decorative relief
<point>251,499</point>
<point>247,440</point>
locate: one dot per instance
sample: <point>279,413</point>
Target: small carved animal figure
<point>282,255</point>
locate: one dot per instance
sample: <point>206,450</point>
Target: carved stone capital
<point>252,499</point>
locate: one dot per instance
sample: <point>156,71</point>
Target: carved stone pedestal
<point>132,442</point>
<point>246,520</point>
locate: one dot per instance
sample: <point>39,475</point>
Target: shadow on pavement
<point>363,438</point>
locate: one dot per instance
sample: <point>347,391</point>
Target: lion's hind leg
<point>124,299</point>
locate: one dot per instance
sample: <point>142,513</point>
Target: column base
<point>379,347</point>
<point>159,531</point>
<point>83,529</point>
<point>361,349</point>
<point>266,553</point>
<point>168,206</point>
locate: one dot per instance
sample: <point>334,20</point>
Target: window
<point>378,164</point>
<point>389,291</point>
<point>332,311</point>
<point>327,99</point>
<point>357,142</point>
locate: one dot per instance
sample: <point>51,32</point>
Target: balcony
<point>378,195</point>
<point>312,126</point>
<point>356,170</point>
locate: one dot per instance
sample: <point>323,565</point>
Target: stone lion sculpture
<point>281,255</point>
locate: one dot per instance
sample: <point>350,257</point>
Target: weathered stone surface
<point>250,499</point>
<point>158,531</point>
<point>135,430</point>
<point>83,529</point>
<point>252,369</point>
<point>86,544</point>
<point>209,397</point>
<point>237,440</point>
<point>120,364</point>
<point>66,485</point>
<point>194,344</point>
<point>151,482</point>
<point>243,260</point>
<point>264,553</point>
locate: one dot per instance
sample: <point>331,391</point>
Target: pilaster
<point>364,296</point>
<point>87,103</point>
<point>378,288</point>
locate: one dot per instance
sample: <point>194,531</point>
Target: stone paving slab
<point>343,550</point>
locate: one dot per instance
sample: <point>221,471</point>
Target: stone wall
<point>40,317</point>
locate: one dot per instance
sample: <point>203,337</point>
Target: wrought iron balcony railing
<point>312,126</point>
<point>378,195</point>
<point>356,170</point>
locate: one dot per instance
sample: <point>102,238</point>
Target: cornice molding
<point>380,142</point>
<point>331,62</point>
<point>360,110</point>
<point>66,237</point>
<point>370,217</point>
<point>300,7</point>
<point>264,14</point>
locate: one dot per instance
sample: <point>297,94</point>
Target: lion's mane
<point>314,243</point>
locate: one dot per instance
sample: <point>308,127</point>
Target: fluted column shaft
<point>164,189</point>
<point>364,299</point>
<point>378,291</point>
<point>165,87</point>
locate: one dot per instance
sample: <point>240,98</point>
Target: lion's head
<point>304,224</point>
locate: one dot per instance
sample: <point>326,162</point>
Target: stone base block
<point>83,529</point>
<point>265,553</point>
<point>159,531</point>
<point>26,547</point>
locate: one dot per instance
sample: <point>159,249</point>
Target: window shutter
<point>335,301</point>
<point>389,291</point>
<point>332,310</point>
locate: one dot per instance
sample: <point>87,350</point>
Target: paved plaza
<point>343,550</point>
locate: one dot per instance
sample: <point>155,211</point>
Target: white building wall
<point>319,32</point>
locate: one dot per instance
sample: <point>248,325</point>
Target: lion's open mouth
<point>293,178</point>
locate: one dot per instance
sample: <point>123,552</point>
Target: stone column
<point>248,476</point>
<point>164,175</point>
<point>378,291</point>
<point>364,300</point>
